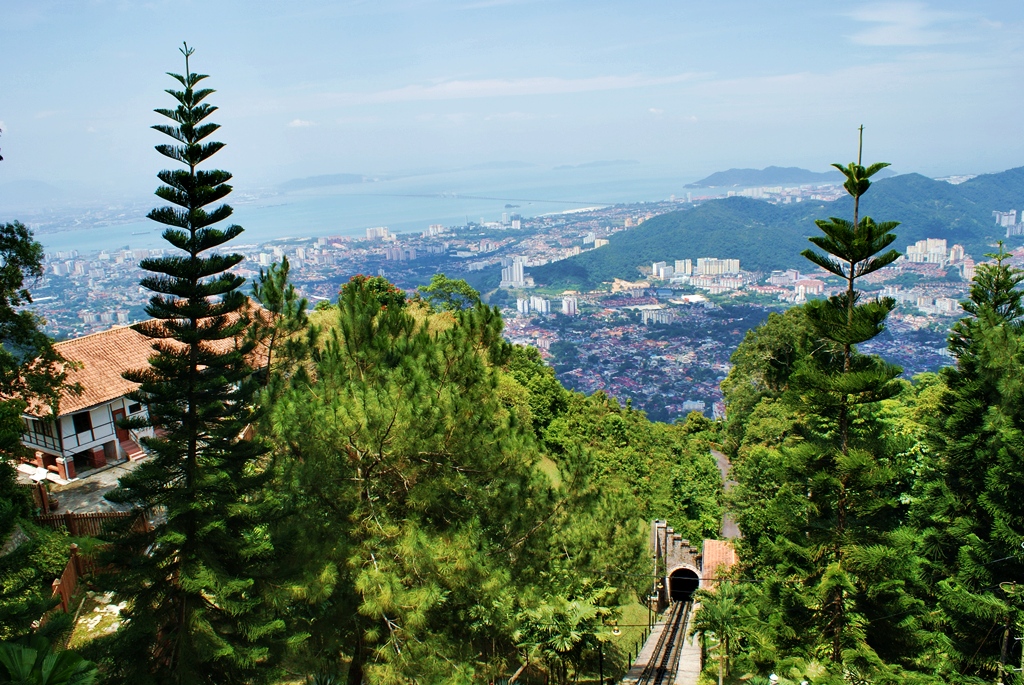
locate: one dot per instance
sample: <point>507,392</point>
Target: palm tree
<point>721,614</point>
<point>31,662</point>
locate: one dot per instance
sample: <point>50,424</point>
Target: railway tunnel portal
<point>683,568</point>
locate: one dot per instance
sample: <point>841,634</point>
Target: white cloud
<point>904,24</point>
<point>3,126</point>
<point>300,123</point>
<point>486,88</point>
<point>656,111</point>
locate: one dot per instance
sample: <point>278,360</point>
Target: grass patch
<point>97,617</point>
<point>550,469</point>
<point>633,625</point>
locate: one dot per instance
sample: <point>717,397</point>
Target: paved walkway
<point>689,661</point>
<point>729,528</point>
<point>85,495</point>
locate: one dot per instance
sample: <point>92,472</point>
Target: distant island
<point>770,176</point>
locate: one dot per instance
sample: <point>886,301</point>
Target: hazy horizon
<point>389,88</point>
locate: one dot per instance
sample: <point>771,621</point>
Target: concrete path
<point>729,528</point>
<point>689,661</point>
<point>85,495</point>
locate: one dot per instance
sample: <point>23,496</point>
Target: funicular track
<point>661,669</point>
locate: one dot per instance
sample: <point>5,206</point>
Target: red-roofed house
<point>85,434</point>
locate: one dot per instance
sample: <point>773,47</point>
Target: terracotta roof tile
<point>106,355</point>
<point>718,557</point>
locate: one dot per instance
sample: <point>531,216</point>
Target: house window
<point>82,422</point>
<point>42,428</point>
<point>134,408</point>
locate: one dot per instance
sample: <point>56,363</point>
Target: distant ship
<point>140,233</point>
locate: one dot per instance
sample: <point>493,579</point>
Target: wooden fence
<point>67,584</point>
<point>93,524</point>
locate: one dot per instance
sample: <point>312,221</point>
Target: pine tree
<point>424,523</point>
<point>281,331</point>
<point>838,568</point>
<point>194,594</point>
<point>969,505</point>
<point>843,478</point>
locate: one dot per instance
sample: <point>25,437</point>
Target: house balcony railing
<point>98,432</point>
<point>72,443</point>
<point>47,442</point>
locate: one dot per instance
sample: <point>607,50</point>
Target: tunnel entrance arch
<point>682,583</point>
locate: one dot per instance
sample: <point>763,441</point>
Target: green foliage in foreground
<point>882,520</point>
<point>426,540</point>
<point>31,662</point>
<point>196,585</point>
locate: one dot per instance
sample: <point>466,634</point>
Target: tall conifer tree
<point>842,477</point>
<point>969,505</point>
<point>194,597</point>
<point>838,568</point>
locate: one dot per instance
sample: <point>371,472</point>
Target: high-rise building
<point>600,242</point>
<point>512,276</point>
<point>378,232</point>
<point>662,316</point>
<point>684,267</point>
<point>540,304</point>
<point>570,306</point>
<point>928,251</point>
<point>712,266</point>
<point>523,306</point>
<point>967,269</point>
<point>956,254</point>
<point>1006,219</point>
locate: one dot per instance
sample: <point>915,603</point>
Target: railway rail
<point>664,662</point>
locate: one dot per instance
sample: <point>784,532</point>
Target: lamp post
<point>600,648</point>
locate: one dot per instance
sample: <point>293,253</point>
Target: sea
<point>405,204</point>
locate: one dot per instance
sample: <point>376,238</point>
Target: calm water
<point>404,205</point>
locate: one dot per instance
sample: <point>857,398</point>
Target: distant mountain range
<point>765,236</point>
<point>771,176</point>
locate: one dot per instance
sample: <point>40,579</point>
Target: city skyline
<point>318,88</point>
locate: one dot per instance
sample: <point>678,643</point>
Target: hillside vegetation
<point>765,237</point>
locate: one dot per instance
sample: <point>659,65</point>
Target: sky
<point>310,87</point>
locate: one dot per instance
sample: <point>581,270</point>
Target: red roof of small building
<point>104,357</point>
<point>718,557</point>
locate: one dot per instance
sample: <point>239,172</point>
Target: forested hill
<point>765,237</point>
